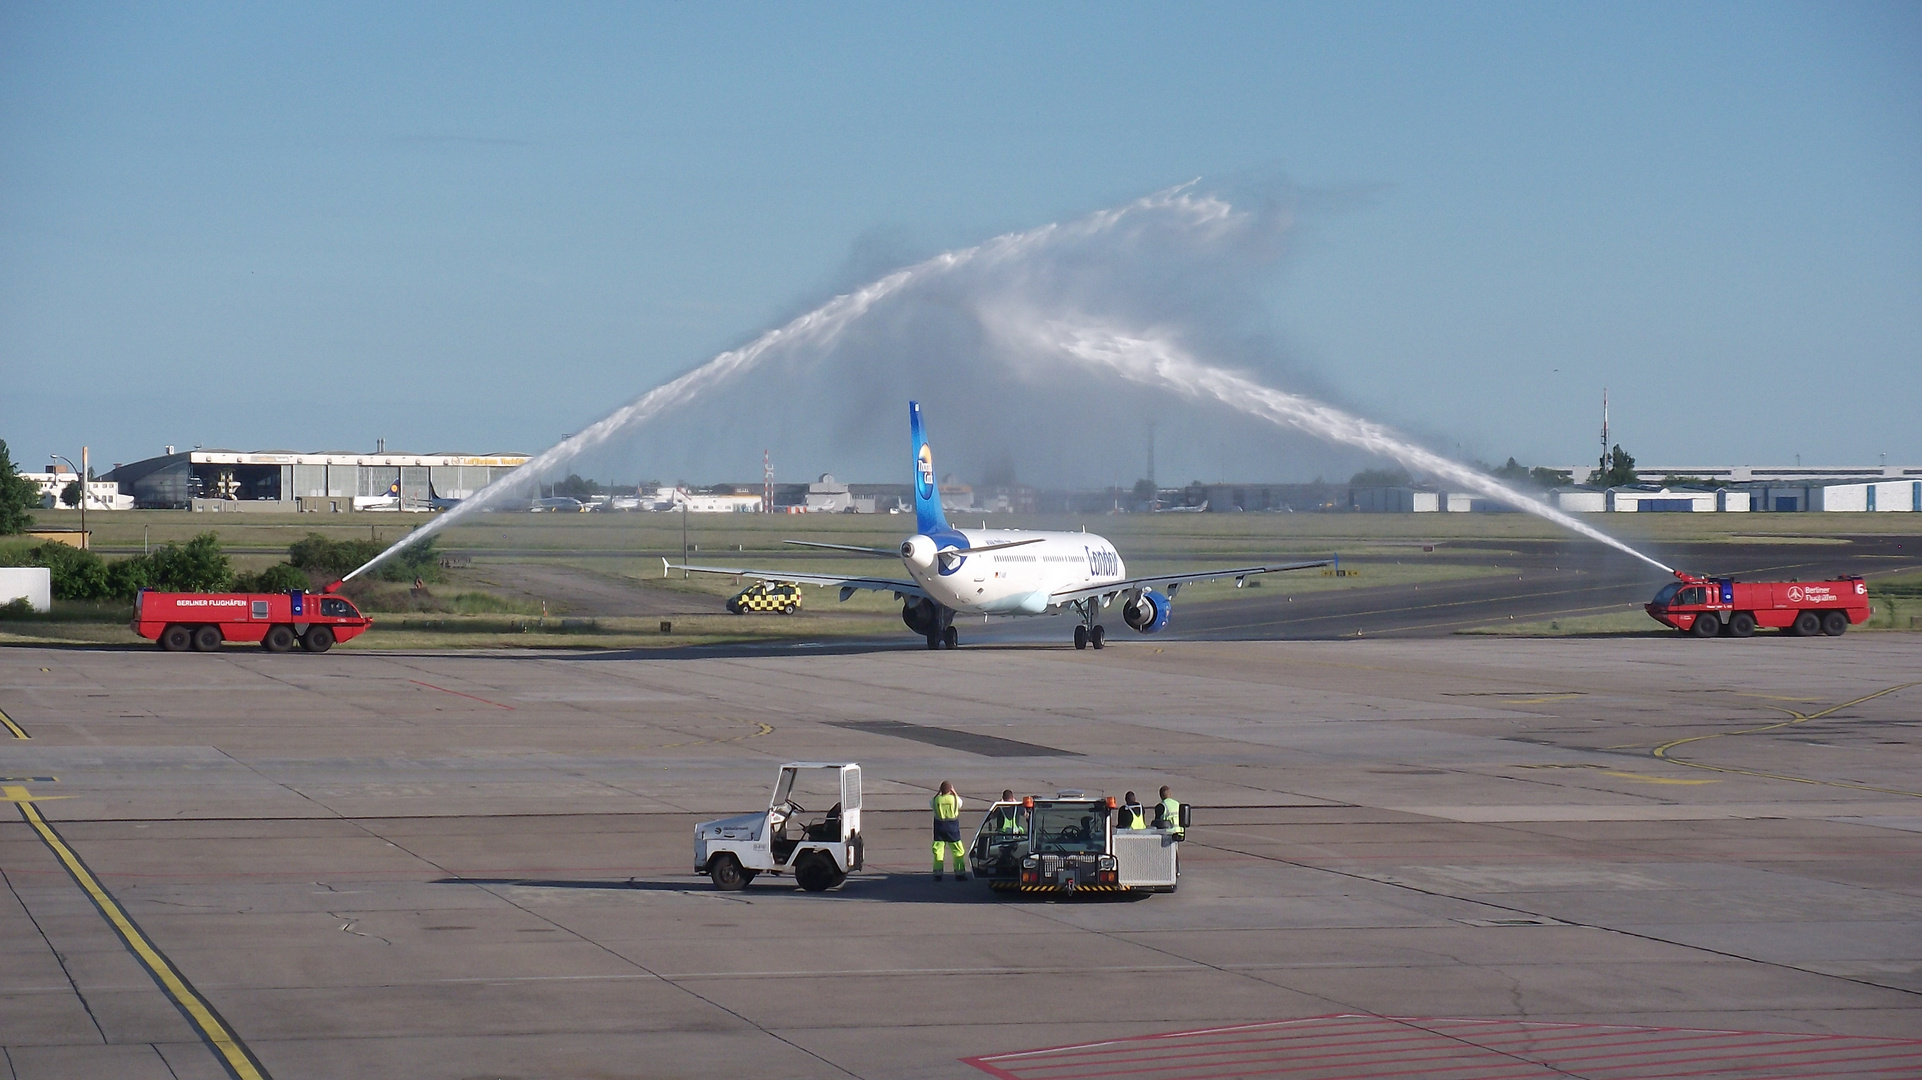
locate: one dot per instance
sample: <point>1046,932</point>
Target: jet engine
<point>1148,612</point>
<point>921,615</point>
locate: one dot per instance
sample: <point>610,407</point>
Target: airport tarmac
<point>1465,857</point>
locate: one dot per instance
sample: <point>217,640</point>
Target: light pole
<point>85,541</point>
<point>683,536</point>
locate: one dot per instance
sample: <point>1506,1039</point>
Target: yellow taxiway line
<point>18,731</point>
<point>1662,751</point>
<point>233,1054</point>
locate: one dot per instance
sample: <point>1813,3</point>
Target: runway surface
<point>1496,857</point>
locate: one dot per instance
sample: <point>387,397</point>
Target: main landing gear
<point>1088,632</point>
<point>944,639</point>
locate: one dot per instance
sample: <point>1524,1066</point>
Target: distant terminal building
<point>280,480</point>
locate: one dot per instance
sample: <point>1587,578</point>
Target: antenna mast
<point>1604,429</point>
<point>1154,494</point>
<point>767,483</point>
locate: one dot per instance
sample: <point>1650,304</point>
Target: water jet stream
<point>817,328</point>
<point>1157,361</point>
<point>1012,301</point>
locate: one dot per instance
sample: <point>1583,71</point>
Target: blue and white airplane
<point>1003,571</point>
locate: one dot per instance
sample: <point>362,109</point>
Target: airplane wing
<point>1172,582</point>
<point>892,553</point>
<point>846,584</point>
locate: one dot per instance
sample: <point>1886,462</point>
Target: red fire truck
<point>1706,607</point>
<point>279,621</point>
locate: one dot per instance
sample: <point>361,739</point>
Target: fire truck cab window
<point>1668,593</point>
<point>1693,595</point>
<point>339,609</point>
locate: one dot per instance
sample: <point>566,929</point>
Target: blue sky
<point>479,227</point>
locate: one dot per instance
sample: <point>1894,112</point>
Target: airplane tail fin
<point>928,515</point>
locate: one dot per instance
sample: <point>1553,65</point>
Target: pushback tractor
<point>820,847</point>
<point>1072,845</point>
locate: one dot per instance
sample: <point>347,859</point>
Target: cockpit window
<point>1668,593</point>
<point>335,607</point>
<point>1694,594</point>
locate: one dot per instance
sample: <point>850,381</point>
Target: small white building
<point>1662,500</point>
<point>675,499</point>
<point>1579,500</point>
<point>1882,496</point>
<point>101,494</point>
<point>1395,500</point>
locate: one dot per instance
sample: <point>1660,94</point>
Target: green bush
<point>196,566</point>
<point>17,608</point>
<point>280,577</point>
<point>338,558</point>
<point>75,574</point>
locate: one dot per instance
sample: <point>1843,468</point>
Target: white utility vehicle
<point>1069,845</point>
<point>820,846</point>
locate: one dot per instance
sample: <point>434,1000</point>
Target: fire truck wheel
<point>1835,624</point>
<point>176,638</point>
<point>279,638</point>
<point>1706,625</point>
<point>726,873</point>
<point>207,638</point>
<point>1807,624</point>
<point>817,873</point>
<point>318,640</point>
<point>1741,624</point>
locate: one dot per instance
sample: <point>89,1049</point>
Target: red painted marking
<point>457,693</point>
<point>1365,1047</point>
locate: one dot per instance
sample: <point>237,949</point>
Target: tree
<point>70,495</point>
<point>280,577</point>
<point>17,496</point>
<point>1620,471</point>
<point>74,574</point>
<point>1551,478</point>
<point>338,558</point>
<point>576,488</point>
<point>1395,477</point>
<point>1144,490</point>
<point>1514,471</point>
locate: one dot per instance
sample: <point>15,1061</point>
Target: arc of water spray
<point>1160,362</point>
<point>817,327</point>
<point>1148,360</point>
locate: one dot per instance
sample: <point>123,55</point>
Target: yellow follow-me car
<point>781,596</point>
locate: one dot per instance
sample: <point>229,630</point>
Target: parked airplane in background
<point>1003,571</point>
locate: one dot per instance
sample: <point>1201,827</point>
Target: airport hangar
<point>283,481</point>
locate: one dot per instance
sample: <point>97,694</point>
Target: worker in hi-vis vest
<point>947,832</point>
<point>1168,812</point>
<point>1009,820</point>
<point>1132,815</point>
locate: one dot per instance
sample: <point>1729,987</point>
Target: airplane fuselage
<point>1010,581</point>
